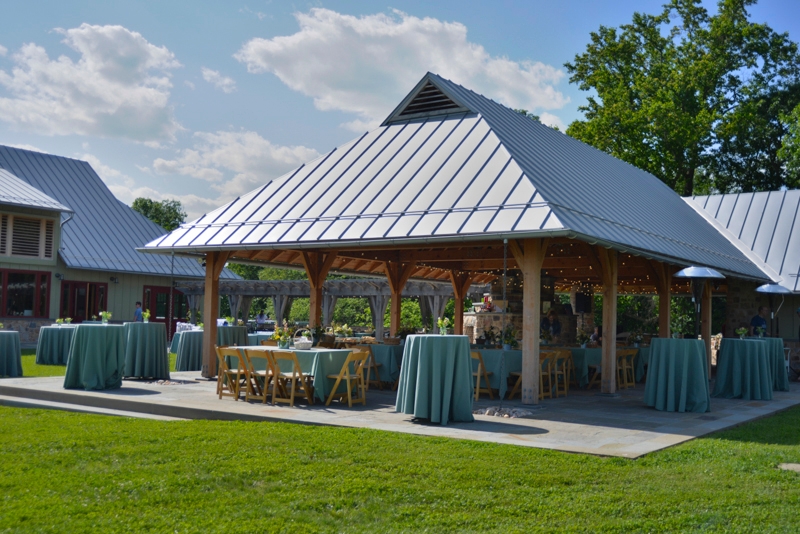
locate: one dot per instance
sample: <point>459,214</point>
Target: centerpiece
<point>741,332</point>
<point>443,323</point>
<point>59,321</point>
<point>106,315</point>
<point>509,338</point>
<point>68,320</point>
<point>342,331</point>
<point>582,338</point>
<point>545,336</point>
<point>759,331</point>
<point>283,336</point>
<point>146,316</point>
<point>491,337</point>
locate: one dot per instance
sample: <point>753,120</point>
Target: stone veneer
<point>742,304</point>
<point>28,328</point>
<point>476,323</point>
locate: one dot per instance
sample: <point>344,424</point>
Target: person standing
<point>759,321</point>
<point>137,314</point>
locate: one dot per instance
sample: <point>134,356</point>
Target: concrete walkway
<point>581,422</point>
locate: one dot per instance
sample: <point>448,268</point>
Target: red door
<point>83,300</point>
<point>156,299</point>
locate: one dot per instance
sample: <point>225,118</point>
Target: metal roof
<point>16,192</point>
<point>765,226</point>
<point>482,174</point>
<point>104,233</point>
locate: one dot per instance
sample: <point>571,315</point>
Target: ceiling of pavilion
<point>452,169</point>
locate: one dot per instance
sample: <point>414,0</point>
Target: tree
<point>168,214</point>
<point>679,101</point>
<point>789,152</point>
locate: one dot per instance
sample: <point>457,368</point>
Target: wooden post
<point>530,257</point>
<point>705,321</point>
<point>317,265</point>
<point>461,283</point>
<point>610,265</point>
<point>215,262</point>
<point>397,273</point>
<point>663,283</point>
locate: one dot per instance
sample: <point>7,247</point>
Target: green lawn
<point>66,472</point>
<point>31,368</point>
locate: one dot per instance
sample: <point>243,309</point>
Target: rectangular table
<point>146,351</point>
<point>743,370</point>
<point>677,378</point>
<point>436,379</point>
<point>10,354</point>
<point>53,345</point>
<point>96,357</point>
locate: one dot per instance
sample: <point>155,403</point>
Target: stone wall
<point>742,304</point>
<point>28,328</point>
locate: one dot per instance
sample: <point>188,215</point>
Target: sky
<point>205,101</point>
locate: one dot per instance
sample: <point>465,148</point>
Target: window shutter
<point>25,237</point>
<point>48,239</point>
<point>4,234</point>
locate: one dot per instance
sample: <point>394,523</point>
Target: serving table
<point>96,357</point>
<point>677,378</point>
<point>189,350</point>
<point>743,370</point>
<point>436,379</point>
<point>10,354</point>
<point>146,351</point>
<point>53,345</point>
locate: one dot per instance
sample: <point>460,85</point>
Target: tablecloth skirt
<point>677,378</point>
<point>146,351</point>
<point>10,354</point>
<point>189,351</point>
<point>500,363</point>
<point>231,335</point>
<point>96,357</point>
<point>53,345</point>
<point>743,370</point>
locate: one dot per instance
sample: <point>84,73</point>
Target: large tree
<point>693,98</point>
<point>168,214</point>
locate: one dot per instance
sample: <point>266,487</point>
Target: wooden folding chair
<point>288,384</point>
<point>353,377</point>
<point>269,342</point>
<point>259,371</point>
<point>370,366</point>
<point>561,368</point>
<point>481,374</point>
<point>229,379</point>
<point>625,371</point>
<point>545,375</point>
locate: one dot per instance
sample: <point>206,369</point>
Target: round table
<point>189,351</point>
<point>743,370</point>
<point>10,354</point>
<point>146,351</point>
<point>96,357</point>
<point>53,345</point>
<point>677,376</point>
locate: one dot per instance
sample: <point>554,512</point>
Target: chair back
<point>269,342</point>
<point>279,356</point>
<point>231,359</point>
<point>257,360</point>
<point>358,357</point>
<point>477,356</point>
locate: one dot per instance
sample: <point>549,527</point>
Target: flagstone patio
<point>582,422</point>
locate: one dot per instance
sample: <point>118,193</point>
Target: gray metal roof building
<point>765,226</point>
<point>450,165</point>
<point>103,233</point>
<point>16,192</point>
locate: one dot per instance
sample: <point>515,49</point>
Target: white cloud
<point>118,87</point>
<point>3,50</point>
<point>365,65</point>
<point>234,162</point>
<point>223,83</point>
<point>551,120</point>
<point>189,84</point>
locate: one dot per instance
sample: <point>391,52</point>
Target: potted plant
<point>443,323</point>
<point>146,316</point>
<point>106,315</point>
<point>509,338</point>
<point>582,339</point>
<point>490,336</point>
<point>545,336</point>
<point>741,332</point>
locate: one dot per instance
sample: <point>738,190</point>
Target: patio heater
<point>698,277</point>
<point>774,289</point>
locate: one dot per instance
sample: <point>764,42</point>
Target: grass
<point>68,472</point>
<point>30,368</point>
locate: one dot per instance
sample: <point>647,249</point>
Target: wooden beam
<point>397,273</point>
<point>215,262</point>
<point>663,275</point>
<point>609,263</point>
<point>533,252</point>
<point>461,282</point>
<point>317,265</point>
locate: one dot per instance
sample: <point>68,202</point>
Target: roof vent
<point>429,101</point>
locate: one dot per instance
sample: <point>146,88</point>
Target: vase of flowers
<point>316,334</point>
<point>582,339</point>
<point>509,338</point>
<point>741,332</point>
<point>106,316</point>
<point>490,336</point>
<point>759,331</point>
<point>59,321</point>
<point>283,336</point>
<point>342,331</point>
<point>146,316</point>
<point>443,323</point>
<point>68,320</point>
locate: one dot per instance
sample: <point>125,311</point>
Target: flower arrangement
<point>68,320</point>
<point>146,316</point>
<point>106,315</point>
<point>230,320</point>
<point>491,336</point>
<point>317,331</point>
<point>582,338</point>
<point>343,330</point>
<point>200,326</point>
<point>94,317</point>
<point>443,323</point>
<point>510,337</point>
<point>283,335</point>
<point>635,338</point>
<point>59,321</point>
<point>759,331</point>
<point>741,332</point>
<point>545,335</point>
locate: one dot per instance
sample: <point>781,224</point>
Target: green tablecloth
<point>91,322</point>
<point>189,350</point>
<point>318,363</point>
<point>96,357</point>
<point>436,379</point>
<point>582,359</point>
<point>146,351</point>
<point>256,339</point>
<point>776,361</point>
<point>677,378</point>
<point>500,363</point>
<point>641,360</point>
<point>389,356</point>
<point>10,354</point>
<point>231,335</point>
<point>743,370</point>
<point>54,343</point>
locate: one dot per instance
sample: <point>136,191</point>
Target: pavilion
<point>453,186</point>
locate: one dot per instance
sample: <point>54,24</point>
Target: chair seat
<point>488,373</point>
<point>351,377</point>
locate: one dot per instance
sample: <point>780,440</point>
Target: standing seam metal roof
<point>487,172</point>
<point>104,233</point>
<point>16,192</point>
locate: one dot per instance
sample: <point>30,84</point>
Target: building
<point>68,248</point>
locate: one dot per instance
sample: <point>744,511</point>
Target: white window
<point>26,237</point>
